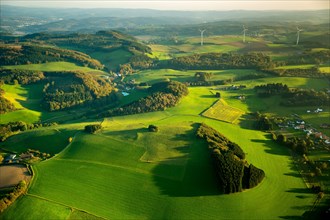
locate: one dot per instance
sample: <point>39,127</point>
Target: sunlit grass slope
<point>53,66</point>
<point>127,172</point>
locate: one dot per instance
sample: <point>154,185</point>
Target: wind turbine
<point>202,36</point>
<point>244,32</point>
<point>298,35</point>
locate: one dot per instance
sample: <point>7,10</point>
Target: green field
<point>27,100</point>
<point>113,59</point>
<point>223,112</point>
<point>133,174</point>
<point>157,75</point>
<point>126,172</point>
<point>54,66</point>
<point>38,139</point>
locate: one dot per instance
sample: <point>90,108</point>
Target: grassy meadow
<point>223,112</point>
<point>27,100</point>
<point>53,66</point>
<point>126,172</point>
<point>132,173</point>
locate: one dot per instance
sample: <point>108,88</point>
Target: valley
<point>268,96</point>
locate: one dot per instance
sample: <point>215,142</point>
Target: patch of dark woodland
<point>233,172</point>
<point>164,95</point>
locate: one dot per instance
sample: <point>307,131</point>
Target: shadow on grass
<point>208,96</point>
<point>272,147</point>
<point>291,217</point>
<point>300,190</point>
<point>294,174</point>
<point>195,177</point>
<point>247,121</point>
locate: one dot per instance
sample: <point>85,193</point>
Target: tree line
<point>301,97</point>
<point>28,54</point>
<point>294,97</point>
<point>271,89</point>
<point>23,77</point>
<point>11,197</point>
<point>6,130</point>
<point>216,61</point>
<point>232,170</point>
<point>313,72</point>
<point>163,95</point>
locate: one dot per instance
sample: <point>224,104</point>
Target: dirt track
<point>11,175</point>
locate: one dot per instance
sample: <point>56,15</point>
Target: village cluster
<point>300,125</point>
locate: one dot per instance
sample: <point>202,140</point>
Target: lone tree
<point>153,128</point>
<point>92,129</point>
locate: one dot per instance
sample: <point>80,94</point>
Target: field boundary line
<point>62,204</point>
<point>119,167</point>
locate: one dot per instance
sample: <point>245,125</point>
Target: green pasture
<point>38,139</point>
<point>53,66</point>
<point>127,172</point>
<point>44,208</point>
<point>27,99</point>
<point>152,76</point>
<point>223,112</point>
<point>112,59</point>
<point>214,44</point>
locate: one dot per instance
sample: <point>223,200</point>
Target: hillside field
<point>223,112</point>
<point>132,173</point>
<point>125,171</point>
<point>53,66</point>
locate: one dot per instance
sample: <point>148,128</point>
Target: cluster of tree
<point>208,83</point>
<point>11,128</point>
<point>15,76</point>
<point>37,153</point>
<point>68,89</point>
<point>92,129</point>
<point>204,79</point>
<point>10,197</point>
<point>271,89</point>
<point>318,57</point>
<point>153,128</point>
<point>141,61</point>
<point>125,70</point>
<point>172,87</point>
<point>203,76</point>
<point>313,72</point>
<point>300,97</point>
<point>232,170</point>
<point>156,102</point>
<point>263,123</point>
<point>213,61</point>
<point>27,54</point>
<point>250,76</point>
<point>5,104</point>
<point>297,144</point>
<point>164,95</point>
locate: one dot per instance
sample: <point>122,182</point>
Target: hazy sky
<point>179,5</point>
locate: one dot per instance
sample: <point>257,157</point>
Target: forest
<point>163,95</point>
<point>68,89</point>
<point>28,54</point>
<point>233,172</point>
<point>23,77</point>
<point>216,61</point>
